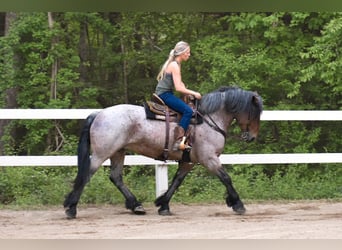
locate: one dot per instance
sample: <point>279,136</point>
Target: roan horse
<point>108,134</point>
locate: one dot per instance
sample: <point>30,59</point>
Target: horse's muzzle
<point>247,137</point>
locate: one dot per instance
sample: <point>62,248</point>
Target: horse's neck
<point>222,119</point>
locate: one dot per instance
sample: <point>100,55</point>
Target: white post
<point>161,179</point>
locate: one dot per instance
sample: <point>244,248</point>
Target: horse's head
<point>243,106</point>
<point>249,120</point>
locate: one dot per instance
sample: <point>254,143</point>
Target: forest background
<point>94,60</point>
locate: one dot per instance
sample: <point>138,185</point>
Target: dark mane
<point>233,99</point>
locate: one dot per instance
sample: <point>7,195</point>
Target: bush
<point>34,185</point>
<point>27,186</point>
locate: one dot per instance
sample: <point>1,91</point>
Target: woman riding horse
<point>169,78</point>
<point>111,132</point>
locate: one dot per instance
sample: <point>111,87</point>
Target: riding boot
<point>180,138</point>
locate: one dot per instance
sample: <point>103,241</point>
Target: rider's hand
<point>197,95</point>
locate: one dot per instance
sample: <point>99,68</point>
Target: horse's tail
<point>83,174</point>
<point>83,153</point>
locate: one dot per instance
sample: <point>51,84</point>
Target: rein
<point>212,124</point>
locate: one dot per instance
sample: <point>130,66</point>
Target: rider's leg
<point>180,106</point>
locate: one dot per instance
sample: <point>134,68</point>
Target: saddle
<point>156,109</point>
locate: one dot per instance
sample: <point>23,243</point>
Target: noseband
<point>245,134</point>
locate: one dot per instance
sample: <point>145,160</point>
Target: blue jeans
<point>178,105</point>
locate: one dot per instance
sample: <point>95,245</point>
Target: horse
<point>111,132</point>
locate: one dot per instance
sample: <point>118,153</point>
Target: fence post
<point>161,179</point>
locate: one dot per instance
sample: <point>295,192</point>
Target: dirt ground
<point>271,220</point>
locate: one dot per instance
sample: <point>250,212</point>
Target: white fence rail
<point>270,115</point>
<point>56,161</point>
<point>161,167</point>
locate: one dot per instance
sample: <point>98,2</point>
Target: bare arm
<point>179,85</point>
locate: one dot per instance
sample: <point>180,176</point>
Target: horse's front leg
<point>233,199</point>
<point>164,200</point>
<point>116,177</point>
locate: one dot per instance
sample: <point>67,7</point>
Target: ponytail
<point>170,59</point>
<point>180,48</point>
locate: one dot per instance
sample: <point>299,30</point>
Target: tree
<point>8,94</point>
<point>94,60</point>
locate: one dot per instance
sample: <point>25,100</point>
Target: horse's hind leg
<point>72,199</point>
<point>164,200</point>
<point>116,177</point>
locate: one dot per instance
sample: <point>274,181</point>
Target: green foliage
<point>289,183</point>
<point>48,186</point>
<point>139,179</point>
<point>326,55</point>
<point>34,185</point>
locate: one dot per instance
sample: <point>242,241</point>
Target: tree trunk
<point>83,52</point>
<point>2,23</point>
<point>54,68</point>
<point>124,72</point>
<point>59,138</point>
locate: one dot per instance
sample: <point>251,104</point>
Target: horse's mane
<point>233,99</point>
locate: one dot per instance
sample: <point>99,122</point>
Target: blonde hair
<point>179,49</point>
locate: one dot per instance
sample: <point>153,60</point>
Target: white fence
<point>161,167</point>
<point>271,115</point>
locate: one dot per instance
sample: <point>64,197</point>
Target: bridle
<point>245,134</point>
<point>212,124</point>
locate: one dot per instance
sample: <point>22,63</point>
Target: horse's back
<point>123,109</point>
<point>118,117</point>
<point>120,113</point>
<point>125,126</point>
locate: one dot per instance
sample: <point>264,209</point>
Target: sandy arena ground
<point>271,220</point>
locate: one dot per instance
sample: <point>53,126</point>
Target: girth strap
<point>167,133</point>
<point>166,112</point>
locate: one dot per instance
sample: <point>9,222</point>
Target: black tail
<point>83,162</point>
<point>83,153</point>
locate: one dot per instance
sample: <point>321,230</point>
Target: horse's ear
<point>255,99</point>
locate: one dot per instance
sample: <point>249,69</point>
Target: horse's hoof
<point>70,213</point>
<point>239,209</point>
<point>165,212</point>
<point>139,210</point>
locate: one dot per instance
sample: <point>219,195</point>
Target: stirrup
<point>182,145</point>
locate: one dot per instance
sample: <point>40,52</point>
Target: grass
<point>38,187</point>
